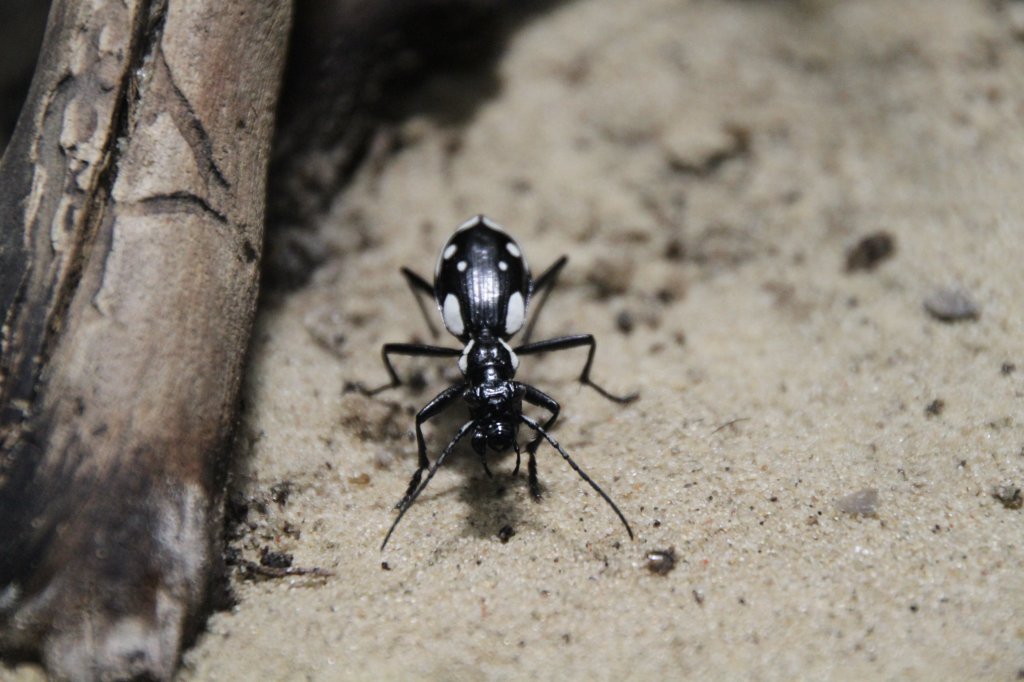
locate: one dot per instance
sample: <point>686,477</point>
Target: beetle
<point>482,288</point>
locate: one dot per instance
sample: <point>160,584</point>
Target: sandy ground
<point>707,165</point>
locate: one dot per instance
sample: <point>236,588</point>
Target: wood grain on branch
<point>132,202</point>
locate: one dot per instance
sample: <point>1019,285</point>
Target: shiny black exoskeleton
<point>482,287</point>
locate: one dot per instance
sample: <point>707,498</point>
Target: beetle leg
<point>575,341</point>
<point>413,349</point>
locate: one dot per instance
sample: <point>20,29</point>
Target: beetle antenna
<point>565,455</point>
<point>407,502</point>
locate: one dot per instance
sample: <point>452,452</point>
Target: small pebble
<point>506,533</point>
<point>699,146</point>
<point>861,503</point>
<point>323,324</point>
<point>935,408</point>
<point>661,561</point>
<point>951,304</point>
<point>1009,496</point>
<point>275,559</point>
<point>280,492</point>
<point>675,250</point>
<point>611,277</point>
<point>869,252</point>
<point>361,478</point>
<point>624,321</point>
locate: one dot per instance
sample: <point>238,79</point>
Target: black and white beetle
<point>482,287</point>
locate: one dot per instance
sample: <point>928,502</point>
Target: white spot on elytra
<point>513,249</point>
<point>461,266</point>
<point>479,220</point>
<point>516,313</point>
<point>472,222</point>
<point>511,354</point>
<point>464,359</point>
<point>450,251</point>
<point>502,265</point>
<point>490,223</point>
<point>452,314</point>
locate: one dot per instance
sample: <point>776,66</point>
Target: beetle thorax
<point>488,360</point>
<point>495,401</point>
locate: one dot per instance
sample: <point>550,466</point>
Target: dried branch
<point>132,200</point>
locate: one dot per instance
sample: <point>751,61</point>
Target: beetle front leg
<point>540,399</point>
<point>441,402</point>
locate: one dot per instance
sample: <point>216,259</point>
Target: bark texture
<point>132,201</point>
